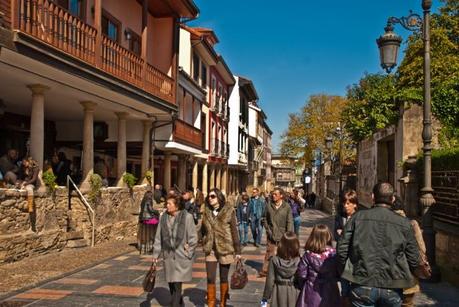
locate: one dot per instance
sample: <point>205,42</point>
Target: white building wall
<point>233,124</point>
<point>253,122</point>
<point>185,51</point>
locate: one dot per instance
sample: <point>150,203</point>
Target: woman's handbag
<point>149,280</point>
<point>239,278</point>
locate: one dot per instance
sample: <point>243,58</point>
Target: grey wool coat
<point>178,256</point>
<point>280,285</point>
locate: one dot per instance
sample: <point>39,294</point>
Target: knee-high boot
<point>211,295</point>
<point>224,294</point>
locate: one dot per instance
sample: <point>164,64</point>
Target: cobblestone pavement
<point>117,282</point>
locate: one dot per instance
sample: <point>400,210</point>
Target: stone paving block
<point>119,290</point>
<point>197,274</point>
<point>43,294</point>
<point>76,281</point>
<point>199,265</point>
<point>121,258</point>
<point>102,266</point>
<point>256,278</point>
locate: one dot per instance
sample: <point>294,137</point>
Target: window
<point>135,42</point>
<point>203,75</point>
<point>196,63</point>
<point>110,26</point>
<point>75,7</point>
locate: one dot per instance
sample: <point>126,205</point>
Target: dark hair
<point>383,193</point>
<point>319,239</point>
<point>177,201</point>
<point>398,204</point>
<point>351,196</point>
<point>245,198</point>
<point>220,197</point>
<point>280,190</point>
<point>289,246</point>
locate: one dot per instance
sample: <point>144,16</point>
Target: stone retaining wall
<point>46,230</point>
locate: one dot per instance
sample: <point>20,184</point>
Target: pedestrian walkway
<point>118,282</point>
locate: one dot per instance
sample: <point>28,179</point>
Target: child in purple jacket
<point>317,273</point>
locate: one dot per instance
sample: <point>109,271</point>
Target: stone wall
<point>23,234</point>
<point>447,248</point>
<point>116,214</point>
<point>47,229</point>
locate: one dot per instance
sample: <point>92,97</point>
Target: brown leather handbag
<point>239,278</point>
<point>149,280</point>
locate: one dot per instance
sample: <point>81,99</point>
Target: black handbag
<point>239,278</point>
<point>149,280</point>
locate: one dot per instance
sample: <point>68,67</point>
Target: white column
<point>212,177</point>
<point>224,187</point>
<point>195,174</point>
<point>121,149</point>
<point>219,176</point>
<point>146,146</point>
<point>167,170</point>
<point>88,141</point>
<point>37,122</point>
<point>205,173</point>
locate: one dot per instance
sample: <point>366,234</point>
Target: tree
<point>444,70</point>
<point>372,105</point>
<point>308,128</point>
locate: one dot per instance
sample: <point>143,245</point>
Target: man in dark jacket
<point>256,208</point>
<point>378,250</point>
<point>277,220</point>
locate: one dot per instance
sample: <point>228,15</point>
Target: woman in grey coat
<point>176,238</point>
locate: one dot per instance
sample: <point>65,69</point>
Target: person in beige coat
<point>220,242</point>
<point>176,239</point>
<point>409,293</point>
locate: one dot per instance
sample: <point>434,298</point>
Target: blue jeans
<point>296,225</point>
<point>257,230</point>
<point>243,231</point>
<point>362,296</point>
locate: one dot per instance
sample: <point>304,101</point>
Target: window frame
<point>113,20</point>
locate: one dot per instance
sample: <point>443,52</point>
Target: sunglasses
<point>212,196</point>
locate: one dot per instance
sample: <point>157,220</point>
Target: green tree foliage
<point>444,70</point>
<point>372,105</point>
<point>308,128</point>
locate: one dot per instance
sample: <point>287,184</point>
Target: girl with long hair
<point>317,272</point>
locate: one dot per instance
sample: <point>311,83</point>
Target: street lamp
<point>389,44</point>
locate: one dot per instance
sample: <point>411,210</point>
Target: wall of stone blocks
<point>447,249</point>
<point>50,226</point>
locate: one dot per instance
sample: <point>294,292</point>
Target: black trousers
<point>175,289</point>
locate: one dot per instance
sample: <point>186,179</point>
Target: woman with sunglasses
<point>220,242</point>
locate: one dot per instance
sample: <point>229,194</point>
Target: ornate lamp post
<point>389,44</point>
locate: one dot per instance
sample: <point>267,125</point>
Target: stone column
<point>212,176</point>
<point>121,149</point>
<point>225,188</point>
<point>195,174</point>
<point>37,122</point>
<point>218,175</point>
<point>167,171</point>
<point>88,141</point>
<point>182,172</point>
<point>205,173</point>
<point>146,146</point>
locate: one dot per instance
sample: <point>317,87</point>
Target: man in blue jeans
<point>256,209</point>
<point>378,251</point>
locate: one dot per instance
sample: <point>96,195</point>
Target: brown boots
<point>223,294</point>
<point>211,293</point>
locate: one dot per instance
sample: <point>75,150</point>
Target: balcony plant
<point>49,179</point>
<point>130,180</point>
<point>95,182</point>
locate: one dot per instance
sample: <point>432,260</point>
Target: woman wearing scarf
<point>220,242</point>
<point>176,238</point>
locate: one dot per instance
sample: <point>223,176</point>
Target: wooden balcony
<point>187,134</point>
<point>55,26</point>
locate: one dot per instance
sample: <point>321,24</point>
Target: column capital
<point>122,115</point>
<point>38,88</point>
<point>147,123</point>
<point>88,105</point>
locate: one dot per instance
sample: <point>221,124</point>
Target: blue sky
<point>295,48</point>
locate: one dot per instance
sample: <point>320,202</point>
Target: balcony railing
<point>55,26</point>
<point>214,147</point>
<point>187,134</point>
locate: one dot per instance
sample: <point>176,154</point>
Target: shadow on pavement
<point>196,296</point>
<point>310,223</point>
<point>162,295</point>
<point>254,264</point>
